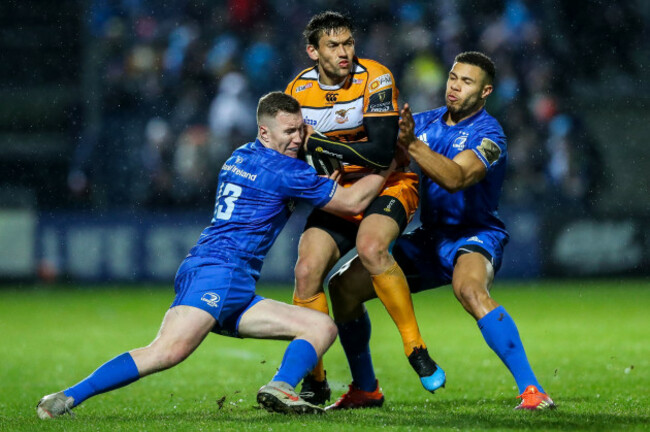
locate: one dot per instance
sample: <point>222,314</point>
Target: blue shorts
<point>225,291</point>
<point>428,256</point>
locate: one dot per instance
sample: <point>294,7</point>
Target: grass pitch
<point>588,342</point>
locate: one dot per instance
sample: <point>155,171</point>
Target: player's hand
<point>336,175</point>
<point>406,127</point>
<point>308,131</point>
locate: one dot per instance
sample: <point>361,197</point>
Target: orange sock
<point>319,303</point>
<point>393,291</point>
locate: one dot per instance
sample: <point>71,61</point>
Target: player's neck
<point>329,80</point>
<point>452,119</point>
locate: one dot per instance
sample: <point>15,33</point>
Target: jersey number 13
<point>228,194</point>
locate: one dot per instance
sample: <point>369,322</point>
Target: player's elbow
<point>452,186</point>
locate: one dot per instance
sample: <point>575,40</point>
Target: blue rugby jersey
<point>255,197</point>
<point>477,205</point>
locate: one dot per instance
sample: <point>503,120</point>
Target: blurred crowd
<point>179,81</point>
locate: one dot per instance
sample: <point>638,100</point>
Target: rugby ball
<point>322,163</point>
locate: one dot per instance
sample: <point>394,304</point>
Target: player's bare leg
<point>472,280</point>
<point>311,332</point>
<point>376,233</point>
<point>317,254</point>
<point>182,330</point>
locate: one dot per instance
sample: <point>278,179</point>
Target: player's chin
<point>292,152</point>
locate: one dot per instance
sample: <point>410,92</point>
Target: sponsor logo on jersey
<point>475,239</point>
<point>381,101</point>
<point>320,149</point>
<point>423,138</point>
<point>239,172</point>
<point>239,159</point>
<point>342,115</point>
<point>331,97</point>
<point>380,82</point>
<point>459,142</point>
<point>310,122</point>
<point>357,81</point>
<point>388,207</point>
<point>490,150</point>
<point>304,87</point>
<point>211,299</point>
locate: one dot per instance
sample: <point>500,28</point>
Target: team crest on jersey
<point>380,82</point>
<point>304,87</point>
<point>342,115</point>
<point>211,299</point>
<point>459,143</point>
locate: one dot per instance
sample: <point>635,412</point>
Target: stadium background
<point>116,116</point>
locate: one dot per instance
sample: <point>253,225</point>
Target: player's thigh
<point>473,273</point>
<point>377,229</point>
<point>317,252</point>
<point>271,319</point>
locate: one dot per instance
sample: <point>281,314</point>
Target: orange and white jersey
<point>338,111</point>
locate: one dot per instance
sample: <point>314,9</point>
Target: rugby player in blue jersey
<point>215,284</point>
<point>461,151</point>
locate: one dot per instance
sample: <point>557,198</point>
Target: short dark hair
<point>478,59</point>
<point>325,23</point>
<point>272,103</point>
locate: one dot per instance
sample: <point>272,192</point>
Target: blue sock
<point>501,334</point>
<point>355,338</point>
<point>299,358</point>
<point>113,374</point>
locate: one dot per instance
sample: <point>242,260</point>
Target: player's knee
<point>471,294</point>
<point>166,356</point>
<point>308,271</point>
<point>371,250</point>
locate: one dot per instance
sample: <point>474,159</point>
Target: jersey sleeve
<point>380,96</point>
<point>489,147</point>
<point>298,180</point>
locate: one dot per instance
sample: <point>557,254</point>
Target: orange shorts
<point>402,186</point>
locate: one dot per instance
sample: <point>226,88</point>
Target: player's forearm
<point>377,152</point>
<point>442,170</point>
<point>355,199</point>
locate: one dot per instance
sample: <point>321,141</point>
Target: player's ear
<point>263,132</point>
<point>487,89</point>
<point>312,52</point>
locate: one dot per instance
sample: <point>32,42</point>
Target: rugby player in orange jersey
<point>352,104</point>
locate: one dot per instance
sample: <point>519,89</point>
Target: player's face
<point>334,55</point>
<point>466,89</point>
<point>285,133</point>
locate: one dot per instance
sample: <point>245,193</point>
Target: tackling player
<point>461,150</point>
<point>353,102</point>
<point>215,284</point>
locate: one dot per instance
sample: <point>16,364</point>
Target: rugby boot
<point>315,392</point>
<point>54,405</point>
<point>357,398</point>
<point>533,399</point>
<point>431,375</point>
<point>278,396</point>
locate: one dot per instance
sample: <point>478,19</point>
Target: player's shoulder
<point>372,68</point>
<point>426,118</point>
<point>486,123</point>
<point>305,79</point>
